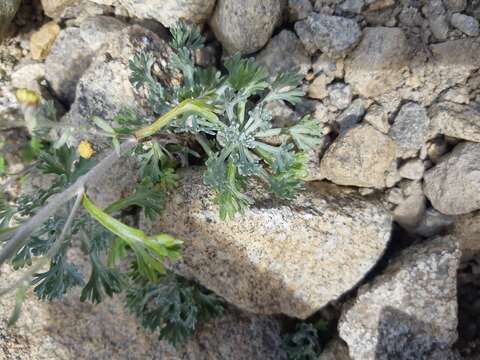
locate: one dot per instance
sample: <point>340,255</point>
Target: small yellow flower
<point>27,97</point>
<point>85,149</point>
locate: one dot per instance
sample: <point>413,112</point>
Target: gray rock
<point>284,52</point>
<point>452,185</point>
<point>378,118</point>
<point>412,169</point>
<point>70,329</point>
<point>410,128</point>
<point>466,229</point>
<point>291,258</point>
<point>410,212</point>
<point>333,35</point>
<point>245,26</point>
<point>392,317</point>
<point>298,9</point>
<point>375,66</point>
<point>167,12</point>
<point>434,223</point>
<point>8,9</point>
<point>455,5</point>
<point>352,6</point>
<point>466,24</point>
<point>360,157</point>
<point>74,50</point>
<point>456,120</point>
<point>437,18</point>
<point>352,115</point>
<point>340,95</point>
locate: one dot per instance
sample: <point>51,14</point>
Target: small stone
<point>360,157</point>
<point>378,118</point>
<point>298,9</point>
<point>340,95</point>
<point>332,68</point>
<point>284,52</point>
<point>436,148</point>
<point>29,77</point>
<point>437,18</point>
<point>455,5</point>
<point>456,120</point>
<point>54,8</point>
<point>433,223</point>
<point>42,41</point>
<point>282,114</point>
<point>452,185</point>
<point>301,254</point>
<point>333,35</point>
<point>466,24</point>
<point>395,196</point>
<point>392,317</point>
<point>318,88</point>
<point>410,128</point>
<point>245,26</point>
<point>352,6</point>
<point>410,212</point>
<point>352,115</point>
<point>375,66</point>
<point>412,169</point>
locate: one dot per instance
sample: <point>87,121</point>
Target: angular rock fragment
<point>453,184</point>
<point>410,128</point>
<point>359,157</point>
<point>410,311</point>
<point>280,257</point>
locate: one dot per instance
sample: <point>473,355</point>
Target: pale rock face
<point>332,35</point>
<point>167,12</point>
<point>74,51</point>
<point>291,258</point>
<point>452,185</point>
<point>375,66</point>
<point>284,52</point>
<point>245,26</point>
<point>70,329</point>
<point>359,157</point>
<point>410,311</point>
<point>410,128</point>
<point>456,120</point>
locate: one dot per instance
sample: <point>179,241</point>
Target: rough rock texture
<point>410,128</point>
<point>42,41</point>
<point>8,9</point>
<point>452,185</point>
<point>434,223</point>
<point>54,8</point>
<point>378,118</point>
<point>245,26</point>
<point>466,24</point>
<point>74,51</point>
<point>327,238</point>
<point>298,9</point>
<point>167,12</point>
<point>466,229</point>
<point>375,66</point>
<point>456,120</point>
<point>69,329</point>
<point>332,35</point>
<point>410,311</point>
<point>359,157</point>
<point>284,52</point>
<point>437,18</point>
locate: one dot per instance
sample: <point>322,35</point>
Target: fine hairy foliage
<point>212,117</point>
<point>303,343</point>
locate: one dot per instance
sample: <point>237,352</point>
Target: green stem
<point>195,106</point>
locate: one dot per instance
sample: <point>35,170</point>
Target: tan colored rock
<point>69,329</point>
<point>456,120</point>
<point>376,64</point>
<point>280,257</point>
<point>54,8</point>
<point>411,309</point>
<point>42,41</point>
<point>359,157</point>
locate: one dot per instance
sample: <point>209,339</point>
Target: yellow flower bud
<point>27,97</point>
<point>85,149</point>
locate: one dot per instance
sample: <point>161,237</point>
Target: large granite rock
<point>410,311</point>
<point>69,329</point>
<point>360,157</point>
<point>74,51</point>
<point>456,120</point>
<point>333,35</point>
<point>167,12</point>
<point>245,26</point>
<point>452,185</point>
<point>280,257</point>
<point>376,64</point>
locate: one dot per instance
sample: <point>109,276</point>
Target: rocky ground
<point>385,240</point>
